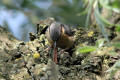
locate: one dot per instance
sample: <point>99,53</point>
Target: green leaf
<point>86,49</point>
<point>117,45</point>
<point>114,6</point>
<point>90,5</point>
<point>101,18</point>
<point>101,22</point>
<point>118,27</point>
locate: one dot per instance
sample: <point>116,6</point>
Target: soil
<point>31,61</point>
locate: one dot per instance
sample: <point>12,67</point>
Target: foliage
<point>98,6</point>
<point>117,45</point>
<point>81,12</point>
<point>118,28</point>
<point>68,12</point>
<point>85,49</point>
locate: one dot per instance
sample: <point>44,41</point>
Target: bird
<point>59,36</point>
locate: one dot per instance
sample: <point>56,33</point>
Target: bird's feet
<point>62,51</point>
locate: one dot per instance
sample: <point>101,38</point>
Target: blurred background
<point>20,16</point>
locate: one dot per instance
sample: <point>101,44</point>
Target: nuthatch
<point>59,35</point>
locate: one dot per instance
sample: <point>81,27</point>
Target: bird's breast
<point>65,41</point>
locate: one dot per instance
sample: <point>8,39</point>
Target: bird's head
<point>55,30</point>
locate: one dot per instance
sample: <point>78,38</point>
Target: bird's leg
<point>63,50</point>
<point>55,56</point>
<point>55,53</point>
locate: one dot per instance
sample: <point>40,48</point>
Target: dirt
<point>31,61</point>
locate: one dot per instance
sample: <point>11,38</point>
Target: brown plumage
<point>59,35</point>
